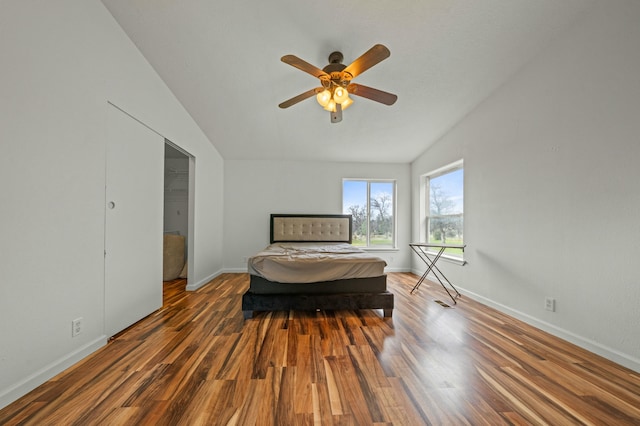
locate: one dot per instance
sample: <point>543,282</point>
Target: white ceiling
<point>221,59</point>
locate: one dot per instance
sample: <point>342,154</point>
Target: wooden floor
<point>197,362</point>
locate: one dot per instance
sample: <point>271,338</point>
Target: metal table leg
<point>431,266</point>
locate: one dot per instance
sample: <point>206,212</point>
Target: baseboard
<point>20,389</point>
<point>611,354</point>
<point>195,286</point>
<point>242,270</point>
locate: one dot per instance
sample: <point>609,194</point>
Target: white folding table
<point>430,259</point>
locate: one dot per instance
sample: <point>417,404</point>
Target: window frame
<point>425,201</point>
<point>394,224</point>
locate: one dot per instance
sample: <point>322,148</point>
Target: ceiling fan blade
<point>300,97</point>
<point>371,93</point>
<point>376,54</point>
<point>294,61</point>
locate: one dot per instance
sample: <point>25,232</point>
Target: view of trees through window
<point>446,208</point>
<point>371,204</point>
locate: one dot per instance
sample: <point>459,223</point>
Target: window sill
<point>451,259</point>
<point>390,249</point>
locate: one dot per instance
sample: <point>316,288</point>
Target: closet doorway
<point>178,213</point>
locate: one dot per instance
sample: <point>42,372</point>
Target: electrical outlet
<point>550,304</point>
<point>76,327</point>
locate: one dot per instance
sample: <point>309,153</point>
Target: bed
<point>310,264</point>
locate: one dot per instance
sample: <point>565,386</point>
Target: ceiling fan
<point>336,78</point>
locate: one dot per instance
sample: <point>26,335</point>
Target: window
<point>371,203</point>
<point>445,207</point>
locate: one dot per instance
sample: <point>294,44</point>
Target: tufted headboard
<point>334,228</point>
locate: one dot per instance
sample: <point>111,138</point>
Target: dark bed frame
<point>350,294</point>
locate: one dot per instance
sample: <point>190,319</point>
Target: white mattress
<point>313,262</point>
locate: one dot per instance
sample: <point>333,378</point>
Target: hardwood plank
<point>196,361</point>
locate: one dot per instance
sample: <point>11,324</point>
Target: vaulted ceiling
<point>221,59</point>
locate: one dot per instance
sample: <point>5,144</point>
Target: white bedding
<point>313,262</point>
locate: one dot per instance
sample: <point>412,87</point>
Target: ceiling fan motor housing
<point>335,71</point>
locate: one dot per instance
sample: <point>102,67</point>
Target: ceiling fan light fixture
<point>340,94</point>
<point>346,103</point>
<point>331,105</point>
<point>323,98</point>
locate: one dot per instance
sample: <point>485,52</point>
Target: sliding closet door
<point>134,218</point>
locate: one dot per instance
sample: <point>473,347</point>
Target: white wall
<point>255,189</point>
<point>61,63</point>
<point>552,202</point>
